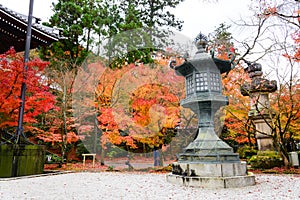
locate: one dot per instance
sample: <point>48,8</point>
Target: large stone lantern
<point>207,161</point>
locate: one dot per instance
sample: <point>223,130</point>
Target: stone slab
<point>212,182</point>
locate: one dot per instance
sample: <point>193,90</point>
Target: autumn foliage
<point>237,126</point>
<point>39,99</point>
<point>136,106</point>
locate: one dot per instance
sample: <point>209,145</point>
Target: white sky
<point>198,15</point>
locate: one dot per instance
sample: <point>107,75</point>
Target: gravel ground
<point>131,186</point>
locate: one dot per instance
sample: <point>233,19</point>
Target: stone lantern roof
<point>13,28</point>
<point>200,61</point>
<point>202,75</point>
<point>258,83</point>
<point>203,59</point>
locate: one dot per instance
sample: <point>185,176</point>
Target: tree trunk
<point>64,128</point>
<point>285,160</point>
<point>102,156</point>
<point>95,135</point>
<point>88,39</point>
<point>161,156</point>
<point>279,147</point>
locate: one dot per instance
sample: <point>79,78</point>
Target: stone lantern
<point>207,161</point>
<point>258,91</point>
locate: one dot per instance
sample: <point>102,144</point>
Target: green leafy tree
<point>126,43</point>
<point>139,31</point>
<point>78,20</point>
<point>156,14</point>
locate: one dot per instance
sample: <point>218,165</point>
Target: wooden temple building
<point>13,29</point>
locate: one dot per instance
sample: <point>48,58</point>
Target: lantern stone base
<point>211,175</point>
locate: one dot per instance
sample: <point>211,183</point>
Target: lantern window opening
<point>189,85</point>
<point>215,82</point>
<point>201,81</point>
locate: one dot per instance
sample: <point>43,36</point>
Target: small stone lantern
<point>258,90</point>
<point>207,161</point>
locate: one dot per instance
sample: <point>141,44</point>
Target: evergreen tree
<point>77,20</point>
<point>221,36</point>
<point>140,32</point>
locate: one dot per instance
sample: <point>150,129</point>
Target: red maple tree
<point>39,100</point>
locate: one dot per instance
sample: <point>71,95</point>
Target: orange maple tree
<point>136,106</point>
<point>145,107</point>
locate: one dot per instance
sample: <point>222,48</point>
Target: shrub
<point>246,152</point>
<point>266,160</point>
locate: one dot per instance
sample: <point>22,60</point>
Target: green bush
<point>266,160</point>
<point>246,152</point>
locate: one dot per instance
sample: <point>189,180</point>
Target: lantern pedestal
<point>208,147</point>
<point>211,163</point>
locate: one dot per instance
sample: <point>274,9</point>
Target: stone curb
<point>46,173</point>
